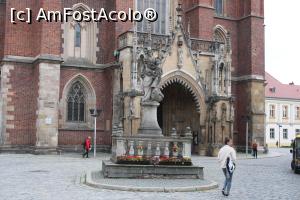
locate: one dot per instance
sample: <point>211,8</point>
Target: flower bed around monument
<point>135,160</point>
<point>176,161</point>
<point>162,160</point>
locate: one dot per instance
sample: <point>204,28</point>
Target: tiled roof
<point>276,89</point>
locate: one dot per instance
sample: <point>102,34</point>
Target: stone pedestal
<point>202,151</point>
<point>149,126</point>
<point>112,170</point>
<point>215,152</point>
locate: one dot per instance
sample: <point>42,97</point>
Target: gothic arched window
<point>77,35</point>
<point>221,76</point>
<point>76,103</point>
<point>80,38</point>
<point>160,26</point>
<point>219,7</point>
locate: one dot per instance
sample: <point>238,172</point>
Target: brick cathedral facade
<point>53,73</point>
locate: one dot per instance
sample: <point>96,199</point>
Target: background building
<point>282,112</point>
<point>211,53</point>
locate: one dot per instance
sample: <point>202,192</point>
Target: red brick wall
<point>206,2</point>
<point>257,7</point>
<point>20,38</point>
<point>192,17</point>
<point>241,106</point>
<point>201,22</point>
<point>230,8</point>
<point>24,39</point>
<point>244,48</point>
<point>244,8</point>
<point>257,46</point>
<point>102,84</point>
<point>24,80</point>
<point>206,23</point>
<point>2,29</point>
<point>50,32</point>
<point>251,46</point>
<point>122,27</point>
<point>250,7</point>
<point>77,137</point>
<point>24,99</point>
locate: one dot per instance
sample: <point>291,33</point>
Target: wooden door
<point>178,110</point>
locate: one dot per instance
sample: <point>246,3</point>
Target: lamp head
<point>95,112</point>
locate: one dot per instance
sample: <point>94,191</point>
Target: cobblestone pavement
<point>31,177</point>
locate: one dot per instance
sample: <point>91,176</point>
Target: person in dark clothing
<point>254,149</point>
<point>87,147</point>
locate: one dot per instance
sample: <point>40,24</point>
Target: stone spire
<point>179,14</point>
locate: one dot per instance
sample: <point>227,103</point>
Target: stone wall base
<point>18,149</point>
<point>45,151</point>
<point>27,149</point>
<point>79,148</point>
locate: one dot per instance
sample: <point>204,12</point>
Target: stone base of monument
<point>149,125</point>
<point>112,170</point>
<point>149,156</point>
<point>96,180</point>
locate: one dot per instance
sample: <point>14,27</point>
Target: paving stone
<point>50,177</point>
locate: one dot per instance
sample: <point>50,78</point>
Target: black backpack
<point>230,165</point>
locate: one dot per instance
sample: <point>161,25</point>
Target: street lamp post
<point>279,126</point>
<point>95,113</point>
<point>247,137</point>
<point>247,118</point>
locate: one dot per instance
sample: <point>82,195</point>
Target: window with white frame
<point>297,112</point>
<point>285,111</point>
<point>285,133</point>
<point>219,7</point>
<point>160,26</point>
<point>272,111</point>
<point>272,133</point>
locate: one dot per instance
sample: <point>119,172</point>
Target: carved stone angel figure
<point>151,75</point>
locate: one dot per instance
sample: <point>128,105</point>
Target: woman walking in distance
<point>226,158</point>
<point>87,146</point>
<point>254,148</point>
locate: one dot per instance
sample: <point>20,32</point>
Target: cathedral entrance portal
<point>178,110</point>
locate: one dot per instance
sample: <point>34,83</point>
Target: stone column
<point>5,104</point>
<point>117,100</point>
<point>47,111</point>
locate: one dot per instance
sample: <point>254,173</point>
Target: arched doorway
<point>178,110</point>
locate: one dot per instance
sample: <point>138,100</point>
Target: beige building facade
<point>282,112</point>
<point>196,84</point>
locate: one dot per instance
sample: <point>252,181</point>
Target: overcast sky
<point>282,20</point>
